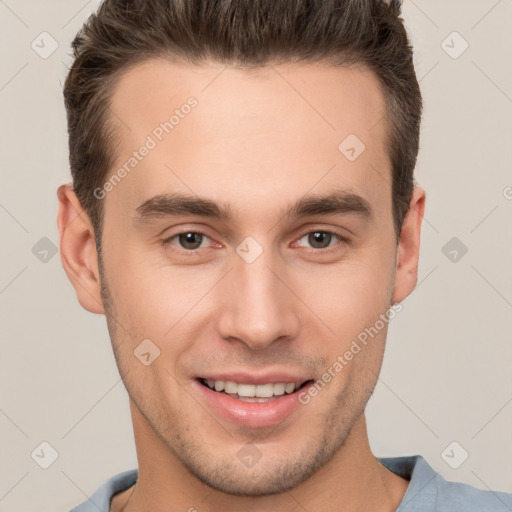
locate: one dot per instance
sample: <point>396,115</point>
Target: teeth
<point>265,390</point>
<point>279,388</point>
<point>246,390</point>
<point>251,390</point>
<point>231,387</point>
<point>289,388</point>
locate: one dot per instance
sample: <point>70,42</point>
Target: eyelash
<point>331,248</point>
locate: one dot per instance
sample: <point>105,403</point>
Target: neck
<point>352,477</point>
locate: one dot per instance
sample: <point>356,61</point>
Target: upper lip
<point>252,378</point>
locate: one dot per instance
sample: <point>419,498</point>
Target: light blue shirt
<point>428,491</point>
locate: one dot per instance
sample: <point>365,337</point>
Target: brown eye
<point>320,239</point>
<point>188,240</point>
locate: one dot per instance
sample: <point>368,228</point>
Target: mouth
<point>253,400</point>
<point>256,393</point>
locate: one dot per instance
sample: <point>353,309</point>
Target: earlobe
<point>407,257</point>
<point>78,250</point>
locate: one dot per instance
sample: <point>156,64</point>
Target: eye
<point>321,239</point>
<point>188,240</point>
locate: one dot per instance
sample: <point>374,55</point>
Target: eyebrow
<point>340,202</point>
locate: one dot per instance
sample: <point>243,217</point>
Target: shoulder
<point>428,491</point>
<point>100,500</point>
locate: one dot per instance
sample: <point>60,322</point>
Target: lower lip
<point>250,414</point>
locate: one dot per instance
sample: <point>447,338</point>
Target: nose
<point>256,306</point>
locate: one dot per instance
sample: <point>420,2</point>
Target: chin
<point>251,472</point>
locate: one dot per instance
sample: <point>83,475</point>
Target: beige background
<point>447,371</point>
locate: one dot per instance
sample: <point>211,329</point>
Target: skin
<point>259,141</point>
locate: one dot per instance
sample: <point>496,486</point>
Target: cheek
<point>351,296</point>
<point>164,304</point>
<point>150,294</point>
<point>350,301</point>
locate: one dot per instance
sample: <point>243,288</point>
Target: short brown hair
<point>245,33</point>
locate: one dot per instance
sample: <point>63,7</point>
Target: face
<point>250,243</point>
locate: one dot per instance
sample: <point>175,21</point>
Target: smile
<point>255,405</point>
<point>253,392</point>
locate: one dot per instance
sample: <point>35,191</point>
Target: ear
<point>78,250</point>
<point>408,249</point>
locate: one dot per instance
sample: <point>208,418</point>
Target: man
<point>243,208</point>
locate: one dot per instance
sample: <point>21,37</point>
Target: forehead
<point>218,131</point>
